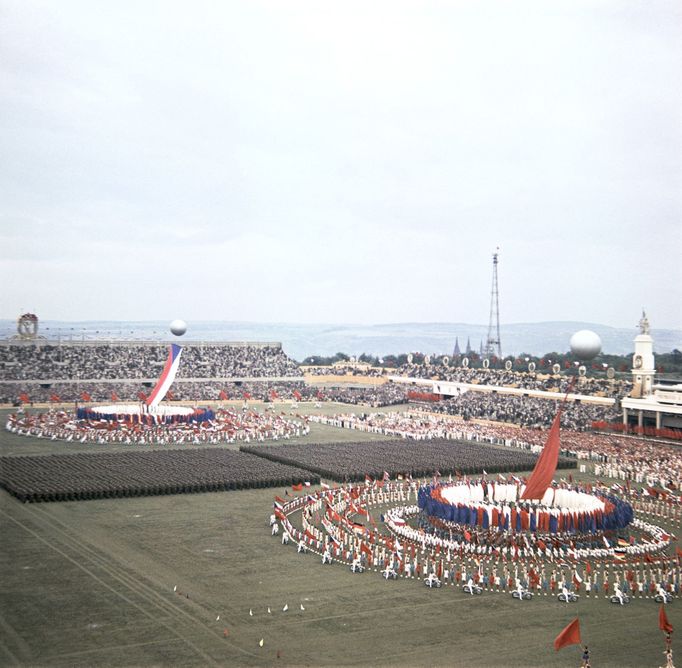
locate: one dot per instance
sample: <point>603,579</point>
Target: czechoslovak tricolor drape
<point>167,376</point>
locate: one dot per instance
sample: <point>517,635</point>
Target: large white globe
<point>178,327</point>
<point>585,344</point>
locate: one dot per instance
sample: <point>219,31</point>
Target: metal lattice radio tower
<point>492,344</point>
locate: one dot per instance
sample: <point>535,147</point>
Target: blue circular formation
<point>618,515</point>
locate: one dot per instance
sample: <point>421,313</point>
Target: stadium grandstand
<point>43,370</point>
<point>36,370</point>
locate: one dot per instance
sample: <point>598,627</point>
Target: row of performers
<point>616,514</point>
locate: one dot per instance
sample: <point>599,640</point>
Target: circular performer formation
<point>492,510</point>
<point>479,535</point>
<point>155,425</point>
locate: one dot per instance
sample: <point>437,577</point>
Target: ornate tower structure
<point>492,344</point>
<point>643,365</point>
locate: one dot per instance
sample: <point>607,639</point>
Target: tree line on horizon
<point>668,364</point>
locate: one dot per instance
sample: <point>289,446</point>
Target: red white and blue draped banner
<point>167,376</point>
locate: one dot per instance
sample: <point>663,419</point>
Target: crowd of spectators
<point>116,360</point>
<point>363,370</point>
<point>516,379</point>
<point>387,394</point>
<point>525,411</point>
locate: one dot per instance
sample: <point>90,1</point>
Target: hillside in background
<point>301,341</point>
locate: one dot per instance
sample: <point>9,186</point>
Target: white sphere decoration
<point>585,345</point>
<point>178,327</point>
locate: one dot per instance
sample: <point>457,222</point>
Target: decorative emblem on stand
<point>27,326</point>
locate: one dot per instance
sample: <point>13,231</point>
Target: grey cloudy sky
<point>341,161</point>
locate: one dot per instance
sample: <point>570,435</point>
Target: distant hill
<point>300,341</point>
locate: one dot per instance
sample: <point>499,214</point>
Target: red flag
<point>54,397</point>
<point>663,622</point>
<point>541,477</point>
<point>85,396</point>
<point>569,636</point>
<point>114,397</point>
<point>24,398</point>
<point>223,395</point>
<point>246,395</point>
<point>298,396</point>
<point>297,488</point>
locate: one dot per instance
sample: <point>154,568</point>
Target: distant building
<point>651,404</point>
<point>456,352</point>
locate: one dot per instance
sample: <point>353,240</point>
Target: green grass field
<point>91,584</point>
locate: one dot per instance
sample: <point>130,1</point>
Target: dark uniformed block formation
<point>352,461</point>
<point>73,477</point>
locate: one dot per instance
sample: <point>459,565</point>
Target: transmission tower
<point>492,344</point>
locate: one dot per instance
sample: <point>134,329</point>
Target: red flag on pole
<point>663,622</point>
<point>114,396</point>
<point>223,395</point>
<point>569,636</point>
<point>542,475</point>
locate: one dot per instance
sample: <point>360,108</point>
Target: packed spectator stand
<point>546,381</point>
<point>51,362</point>
<point>43,371</point>
<point>524,411</point>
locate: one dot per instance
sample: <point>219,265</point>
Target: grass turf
<point>91,584</point>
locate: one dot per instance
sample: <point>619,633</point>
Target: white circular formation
<point>566,500</point>
<point>585,344</point>
<point>178,327</point>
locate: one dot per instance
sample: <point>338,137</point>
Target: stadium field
<point>91,583</point>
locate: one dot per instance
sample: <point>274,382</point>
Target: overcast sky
<point>348,162</point>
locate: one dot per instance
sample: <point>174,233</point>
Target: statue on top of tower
<point>644,327</point>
